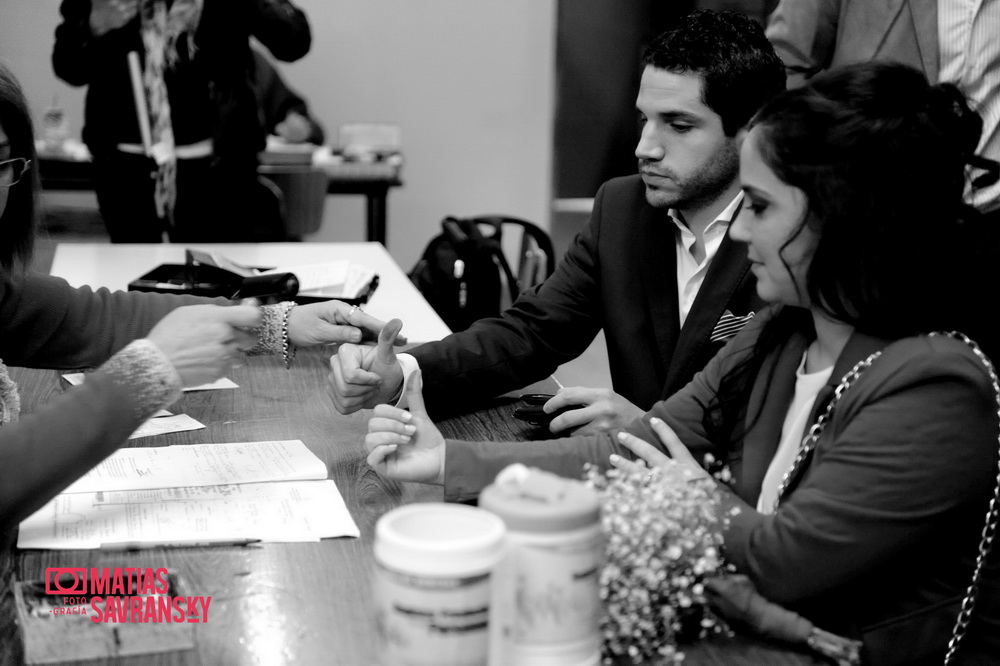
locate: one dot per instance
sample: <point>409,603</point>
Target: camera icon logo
<point>66,580</point>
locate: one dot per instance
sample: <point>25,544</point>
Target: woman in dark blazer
<point>856,230</point>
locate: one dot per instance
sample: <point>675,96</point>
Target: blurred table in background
<point>304,188</point>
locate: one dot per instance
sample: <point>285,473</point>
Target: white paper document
<point>272,490</point>
<point>161,425</point>
<point>76,378</point>
<point>202,465</point>
<point>286,511</point>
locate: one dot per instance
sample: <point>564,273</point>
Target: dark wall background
<point>598,46</point>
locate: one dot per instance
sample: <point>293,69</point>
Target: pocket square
<point>729,325</point>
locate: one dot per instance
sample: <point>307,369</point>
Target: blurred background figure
<point>178,153</point>
<point>284,113</point>
<point>950,41</point>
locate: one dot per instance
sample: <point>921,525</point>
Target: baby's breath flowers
<point>663,530</point>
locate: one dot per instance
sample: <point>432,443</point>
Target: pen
<point>181,543</point>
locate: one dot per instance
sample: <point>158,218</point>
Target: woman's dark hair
<point>19,219</point>
<point>729,51</point>
<point>881,156</point>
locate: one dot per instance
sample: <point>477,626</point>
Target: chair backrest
<point>304,197</point>
<point>269,206</point>
<point>465,273</point>
<point>528,249</point>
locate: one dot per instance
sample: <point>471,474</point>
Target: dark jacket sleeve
<point>471,466</point>
<point>910,451</point>
<point>282,27</point>
<point>48,324</point>
<point>47,450</point>
<point>45,323</point>
<point>78,57</point>
<point>804,34</point>
<point>276,100</point>
<point>544,328</point>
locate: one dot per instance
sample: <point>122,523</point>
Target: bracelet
<point>272,334</point>
<point>287,347</point>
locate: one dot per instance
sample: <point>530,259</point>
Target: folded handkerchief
<point>729,325</point>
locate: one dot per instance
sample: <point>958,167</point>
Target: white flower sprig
<point>663,531</point>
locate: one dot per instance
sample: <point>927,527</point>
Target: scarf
<point>163,28</point>
<point>10,400</point>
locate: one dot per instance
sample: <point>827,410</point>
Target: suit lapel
<point>924,14</point>
<point>879,17</point>
<point>775,386</point>
<point>725,274</point>
<point>659,277</point>
<point>858,347</point>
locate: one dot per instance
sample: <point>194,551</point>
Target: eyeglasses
<point>11,171</point>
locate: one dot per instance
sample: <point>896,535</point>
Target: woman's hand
<point>203,342</point>
<point>650,455</point>
<point>406,446</point>
<point>333,322</point>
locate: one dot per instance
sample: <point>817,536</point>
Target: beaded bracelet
<point>267,333</point>
<point>287,347</point>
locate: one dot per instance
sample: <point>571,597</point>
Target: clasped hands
<point>203,342</point>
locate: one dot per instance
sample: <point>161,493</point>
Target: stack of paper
<point>333,279</point>
<point>272,491</point>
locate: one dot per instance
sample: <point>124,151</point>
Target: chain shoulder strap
<point>990,526</point>
<point>808,442</point>
<point>989,529</point>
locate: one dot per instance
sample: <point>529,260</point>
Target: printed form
<point>272,491</point>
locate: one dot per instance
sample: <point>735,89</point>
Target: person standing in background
<point>195,174</point>
<point>950,41</point>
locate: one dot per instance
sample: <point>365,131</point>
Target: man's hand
<point>108,15</point>
<point>362,377</point>
<point>203,342</point>
<point>333,322</point>
<point>406,446</point>
<point>597,410</point>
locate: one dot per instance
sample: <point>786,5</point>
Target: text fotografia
<point>135,595</point>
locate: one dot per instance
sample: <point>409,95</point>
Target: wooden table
<point>67,174</point>
<point>283,603</point>
<point>295,603</point>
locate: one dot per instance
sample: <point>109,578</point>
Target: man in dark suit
<point>654,266</point>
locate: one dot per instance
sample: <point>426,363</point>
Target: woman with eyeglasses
<point>145,347</point>
<point>862,451</point>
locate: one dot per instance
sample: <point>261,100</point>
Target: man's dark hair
<point>19,217</point>
<point>738,66</point>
